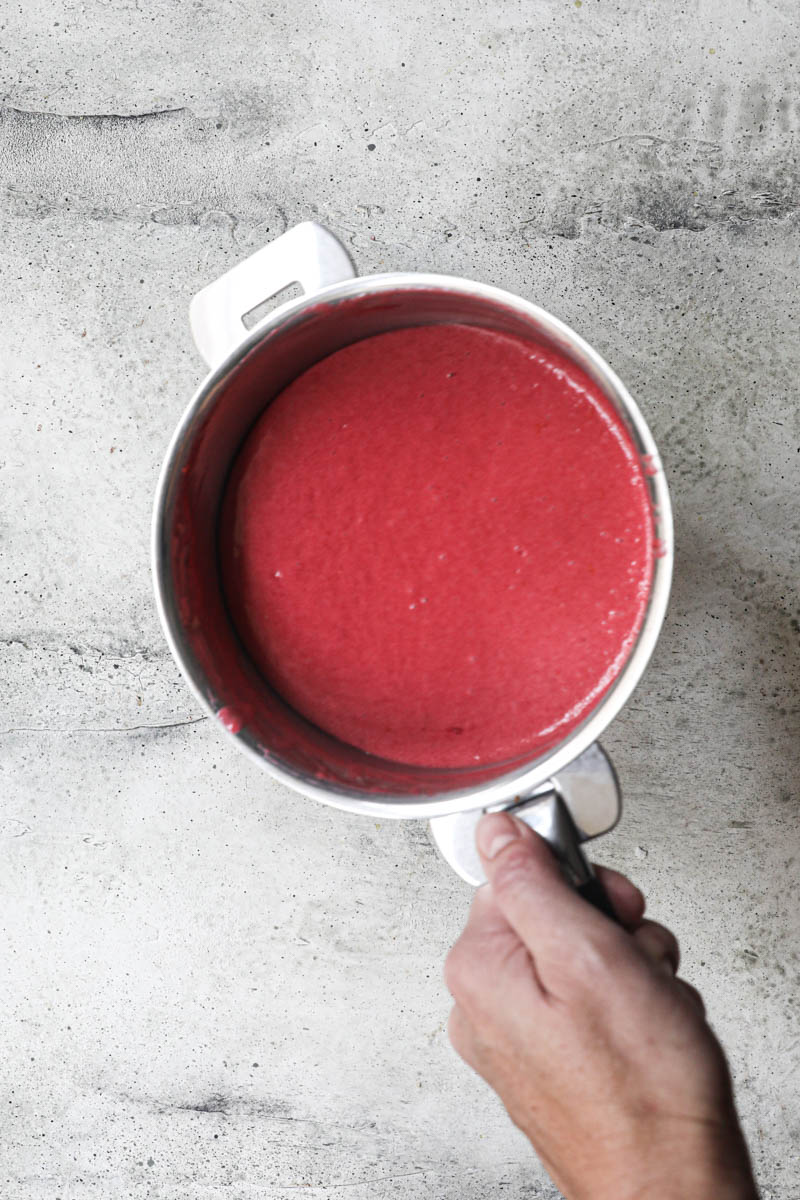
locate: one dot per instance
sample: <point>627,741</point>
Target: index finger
<point>490,958</point>
<point>626,898</point>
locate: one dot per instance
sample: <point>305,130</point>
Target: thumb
<point>529,889</point>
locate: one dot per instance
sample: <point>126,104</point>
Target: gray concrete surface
<point>214,990</point>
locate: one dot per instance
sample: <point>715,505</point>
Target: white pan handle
<point>306,255</point>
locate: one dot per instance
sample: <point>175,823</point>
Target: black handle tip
<point>596,895</point>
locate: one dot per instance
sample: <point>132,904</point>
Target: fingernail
<point>495,832</point>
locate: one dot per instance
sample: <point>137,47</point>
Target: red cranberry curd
<point>437,545</point>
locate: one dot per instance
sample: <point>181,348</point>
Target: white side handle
<point>306,255</point>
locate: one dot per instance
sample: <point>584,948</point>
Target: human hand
<point>601,1055</point>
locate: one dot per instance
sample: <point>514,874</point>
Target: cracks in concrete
<point>33,205</point>
<point>109,664</point>
<point>159,167</point>
<point>221,1105</point>
<point>174,168</point>
<point>763,209</point>
<point>336,1187</point>
<point>156,114</point>
<point>217,1104</point>
<point>122,653</point>
<point>102,729</point>
<point>15,641</point>
<point>368,1145</point>
<point>106,682</point>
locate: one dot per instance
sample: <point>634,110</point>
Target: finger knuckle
<point>458,970</point>
<point>693,996</point>
<point>590,962</point>
<point>661,939</point>
<point>457,1033</point>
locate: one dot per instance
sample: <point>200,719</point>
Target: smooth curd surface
<point>436,544</point>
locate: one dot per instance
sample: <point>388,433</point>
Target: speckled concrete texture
<point>210,988</point>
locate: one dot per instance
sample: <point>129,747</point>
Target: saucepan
<point>569,793</point>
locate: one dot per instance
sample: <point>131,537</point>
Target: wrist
<point>682,1162</point>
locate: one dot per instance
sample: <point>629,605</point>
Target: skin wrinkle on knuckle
<point>591,961</point>
<point>512,969</point>
<point>515,957</point>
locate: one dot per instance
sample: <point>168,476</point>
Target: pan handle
<point>306,255</point>
<point>579,803</point>
<point>553,821</point>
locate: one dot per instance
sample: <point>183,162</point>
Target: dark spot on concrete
<point>213,1104</point>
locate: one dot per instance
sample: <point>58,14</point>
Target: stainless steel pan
<point>570,793</point>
